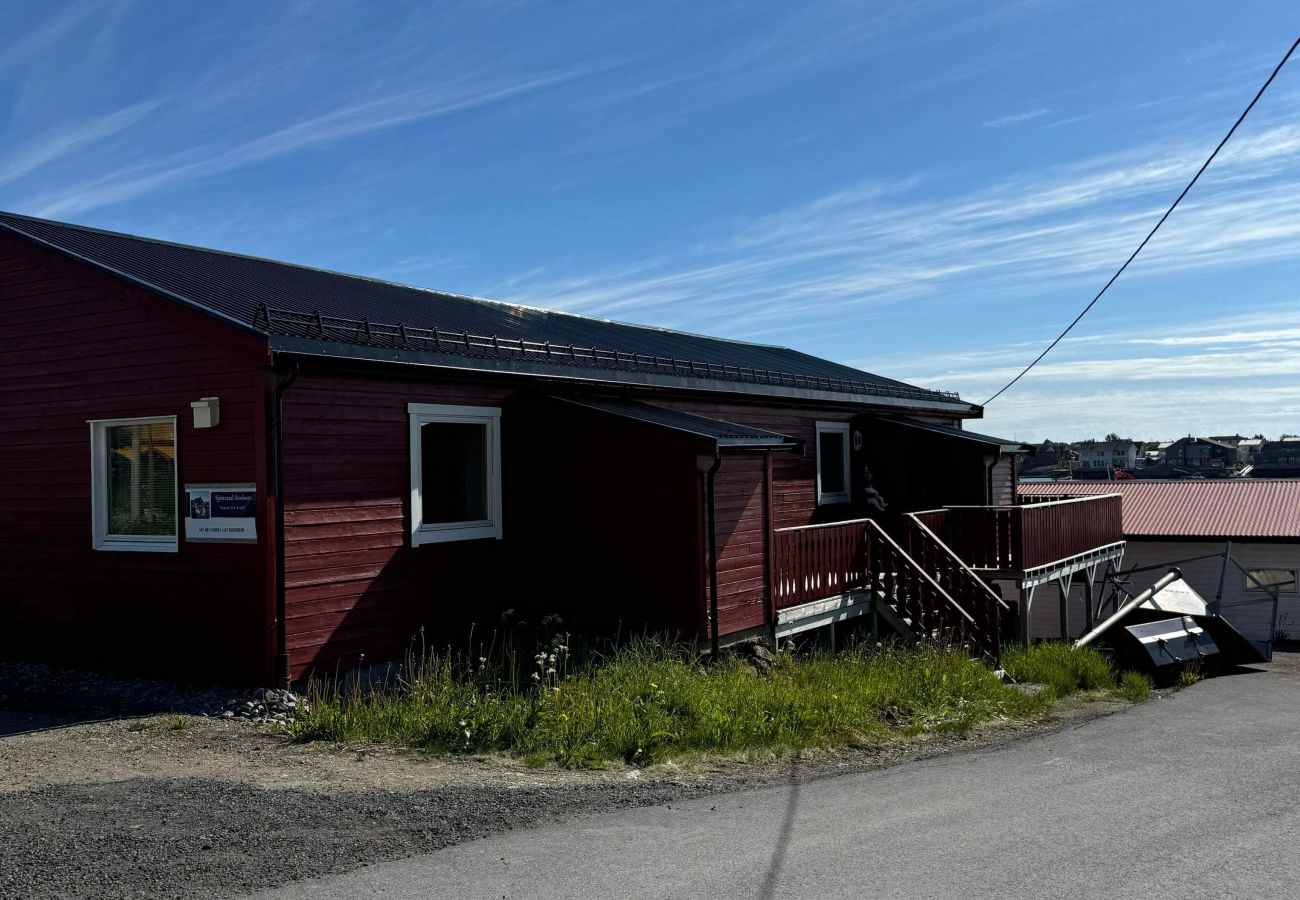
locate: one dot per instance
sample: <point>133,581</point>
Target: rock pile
<point>757,656</point>
<point>266,707</point>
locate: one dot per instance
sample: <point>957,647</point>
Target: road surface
<point>1194,795</point>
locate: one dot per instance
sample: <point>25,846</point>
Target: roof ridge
<point>399,284</point>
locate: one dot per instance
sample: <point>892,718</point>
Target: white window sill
<point>138,546</point>
<point>459,531</point>
<point>829,499</point>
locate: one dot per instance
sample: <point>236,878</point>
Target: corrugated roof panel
<point>236,286</point>
<point>1210,508</point>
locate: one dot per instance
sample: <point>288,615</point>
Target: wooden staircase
<point>920,599</point>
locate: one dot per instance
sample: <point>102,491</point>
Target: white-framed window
<point>1282,580</point>
<point>455,473</point>
<point>832,462</point>
<point>133,484</point>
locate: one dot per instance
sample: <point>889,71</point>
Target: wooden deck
<point>939,584</point>
<point>1031,543</point>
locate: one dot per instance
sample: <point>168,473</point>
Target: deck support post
<point>1027,613</point>
<point>1063,585</point>
<point>1089,618</point>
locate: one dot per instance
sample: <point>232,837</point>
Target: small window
<point>832,462</point>
<point>133,484</point>
<point>1282,580</point>
<point>455,473</point>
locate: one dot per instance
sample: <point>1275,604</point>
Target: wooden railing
<point>817,562</point>
<point>814,562</point>
<point>970,591</point>
<point>1019,538</point>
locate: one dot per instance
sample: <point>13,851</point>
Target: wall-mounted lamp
<point>207,412</point>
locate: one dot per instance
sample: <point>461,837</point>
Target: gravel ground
<point>99,801</point>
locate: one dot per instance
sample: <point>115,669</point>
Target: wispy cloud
<point>59,142</point>
<point>1239,371</point>
<point>47,34</point>
<point>348,121</point>
<point>799,271</point>
<point>1017,118</point>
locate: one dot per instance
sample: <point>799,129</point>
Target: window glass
<point>453,458</point>
<point>830,462</point>
<point>1281,579</point>
<point>141,469</point>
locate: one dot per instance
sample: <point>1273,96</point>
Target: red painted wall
<point>599,523</point>
<point>81,345</point>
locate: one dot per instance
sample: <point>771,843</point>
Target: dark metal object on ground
<point>1165,642</point>
<point>1142,635</point>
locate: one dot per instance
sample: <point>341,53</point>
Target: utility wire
<point>1241,118</point>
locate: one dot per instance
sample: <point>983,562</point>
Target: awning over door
<point>720,434</point>
<point>1001,445</point>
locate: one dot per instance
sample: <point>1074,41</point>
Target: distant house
<point>1232,440</point>
<point>1165,522</point>
<point>1103,455</point>
<point>1200,455</point>
<point>1278,459</point>
<point>1249,448</point>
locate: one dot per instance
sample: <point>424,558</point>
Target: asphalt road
<point>1194,795</point>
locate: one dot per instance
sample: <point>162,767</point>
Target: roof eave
<point>294,346</point>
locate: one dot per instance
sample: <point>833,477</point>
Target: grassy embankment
<point>649,701</point>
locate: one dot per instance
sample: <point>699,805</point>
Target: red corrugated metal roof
<point>1218,508</point>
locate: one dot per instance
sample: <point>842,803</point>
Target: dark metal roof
<point>723,434</point>
<point>298,306</point>
<point>1002,444</point>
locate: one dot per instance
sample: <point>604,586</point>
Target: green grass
<point>1064,668</point>
<point>649,701</point>
<point>1134,687</point>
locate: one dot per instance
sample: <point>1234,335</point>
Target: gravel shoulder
<point>180,805</point>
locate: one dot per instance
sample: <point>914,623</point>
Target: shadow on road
<point>767,889</point>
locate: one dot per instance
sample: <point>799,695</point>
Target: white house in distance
<point>1109,454</point>
<point>1168,521</point>
<point>1248,447</point>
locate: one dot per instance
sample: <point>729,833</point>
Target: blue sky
<point>926,190</point>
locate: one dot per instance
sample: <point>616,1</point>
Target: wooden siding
<point>1002,481</point>
<point>80,345</point>
<point>599,523</point>
<point>743,536</point>
<point>353,585</point>
<point>794,475</point>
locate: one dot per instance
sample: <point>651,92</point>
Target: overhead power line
<point>1205,165</point>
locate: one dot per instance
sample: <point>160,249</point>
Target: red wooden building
<point>226,466</point>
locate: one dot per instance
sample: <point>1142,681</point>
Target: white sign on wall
<point>225,513</point>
